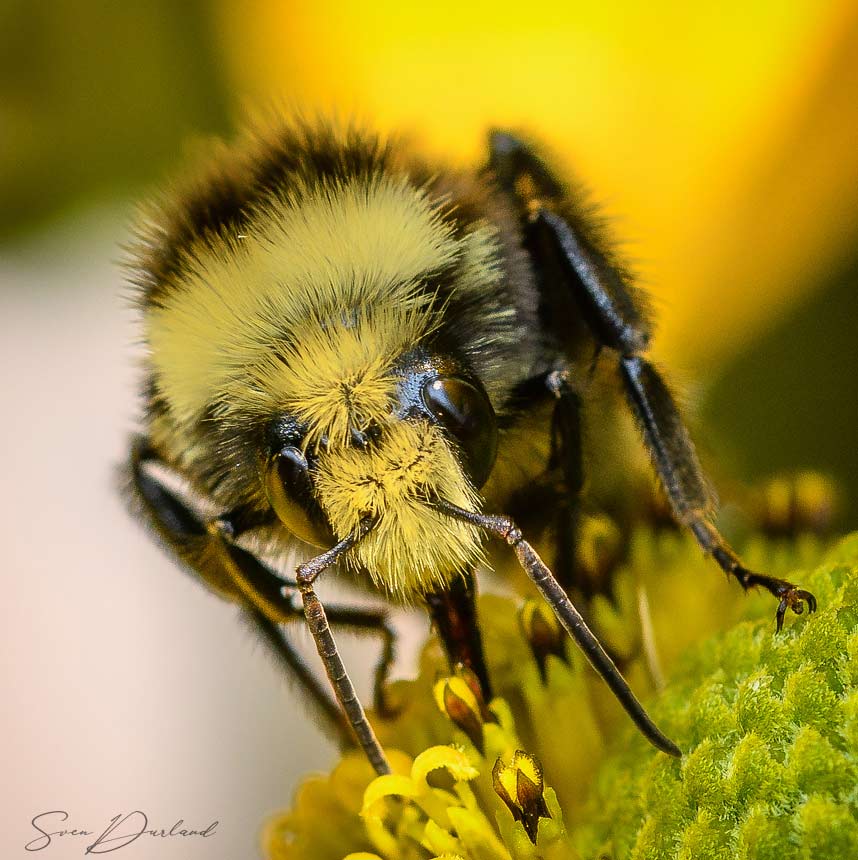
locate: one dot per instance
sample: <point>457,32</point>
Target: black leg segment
<point>566,454</point>
<point>454,614</point>
<point>667,440</point>
<point>608,302</point>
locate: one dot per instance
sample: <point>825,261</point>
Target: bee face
<point>311,363</point>
<point>414,436</point>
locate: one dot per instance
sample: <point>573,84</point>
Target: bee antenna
<point>317,621</point>
<point>503,527</point>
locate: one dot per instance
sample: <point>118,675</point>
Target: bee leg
<point>570,618</point>
<point>566,455</point>
<point>257,580</point>
<point>692,500</point>
<point>354,618</point>
<point>454,614</point>
<point>206,549</point>
<point>617,320</point>
<point>510,158</point>
<point>587,548</point>
<point>293,663</point>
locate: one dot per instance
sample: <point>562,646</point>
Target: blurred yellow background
<point>722,142</point>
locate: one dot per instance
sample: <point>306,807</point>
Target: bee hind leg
<point>571,252</point>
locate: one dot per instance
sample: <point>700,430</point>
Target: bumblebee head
<point>383,445</point>
<point>322,349</point>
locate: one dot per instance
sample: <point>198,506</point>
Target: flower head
<point>768,724</point>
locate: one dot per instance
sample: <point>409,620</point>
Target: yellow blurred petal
<point>477,836</point>
<point>389,785</point>
<point>454,761</point>
<point>440,841</point>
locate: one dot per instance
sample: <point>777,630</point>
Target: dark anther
<point>543,633</point>
<point>460,697</point>
<point>520,786</point>
<point>470,678</point>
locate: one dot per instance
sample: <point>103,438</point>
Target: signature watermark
<point>122,830</point>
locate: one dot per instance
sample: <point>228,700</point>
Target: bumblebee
<point>358,357</point>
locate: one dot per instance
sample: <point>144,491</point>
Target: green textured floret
<point>769,727</point>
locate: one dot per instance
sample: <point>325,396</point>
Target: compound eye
<point>465,412</point>
<point>289,488</point>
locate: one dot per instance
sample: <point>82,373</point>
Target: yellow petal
<point>442,757</point>
<point>389,785</point>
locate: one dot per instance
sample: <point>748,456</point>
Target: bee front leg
<point>365,620</point>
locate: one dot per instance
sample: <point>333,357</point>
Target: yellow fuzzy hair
<point>305,262</point>
<point>412,549</point>
<point>335,378</point>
